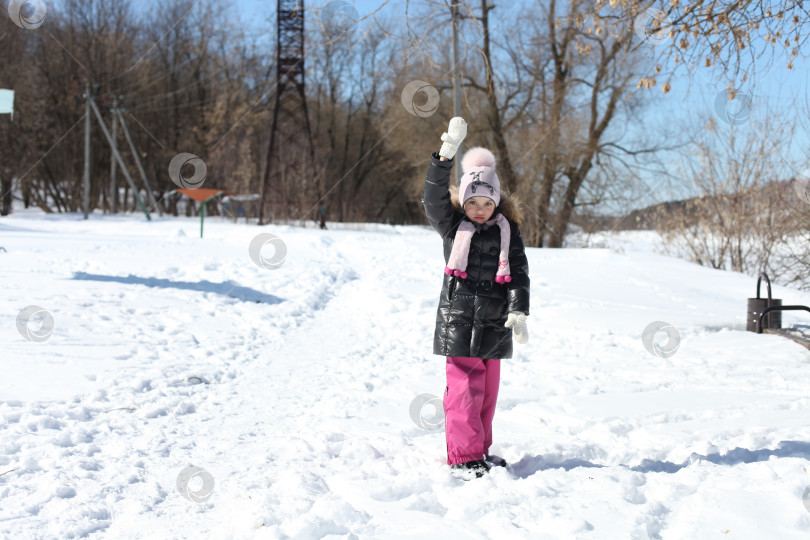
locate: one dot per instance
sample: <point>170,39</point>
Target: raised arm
<point>439,210</point>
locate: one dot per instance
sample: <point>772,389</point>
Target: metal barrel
<point>757,305</point>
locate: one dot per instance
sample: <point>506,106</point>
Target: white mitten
<point>517,321</point>
<point>454,136</point>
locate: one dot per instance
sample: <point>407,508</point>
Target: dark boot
<point>478,466</point>
<point>497,461</point>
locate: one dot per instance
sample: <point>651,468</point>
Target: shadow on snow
<point>227,288</point>
<point>785,449</point>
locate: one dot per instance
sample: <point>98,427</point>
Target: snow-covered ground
<point>289,389</point>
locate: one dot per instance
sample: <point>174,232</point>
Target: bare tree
<point>549,93</point>
<point>742,216</point>
<point>587,85</point>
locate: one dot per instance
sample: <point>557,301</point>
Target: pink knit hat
<point>479,178</point>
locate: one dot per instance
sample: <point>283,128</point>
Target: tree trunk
<point>506,172</point>
<point>5,189</point>
<point>569,199</point>
<point>552,136</point>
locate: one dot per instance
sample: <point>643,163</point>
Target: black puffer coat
<point>472,311</point>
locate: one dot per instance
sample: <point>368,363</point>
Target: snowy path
<point>298,406</point>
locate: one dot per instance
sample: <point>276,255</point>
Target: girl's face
<point>479,209</point>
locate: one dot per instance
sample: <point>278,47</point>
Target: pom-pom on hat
<point>479,178</point>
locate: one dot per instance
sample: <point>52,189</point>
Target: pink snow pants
<point>469,405</point>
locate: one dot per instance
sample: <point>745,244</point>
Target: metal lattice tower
<point>289,181</point>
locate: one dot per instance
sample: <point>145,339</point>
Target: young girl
<point>485,293</point>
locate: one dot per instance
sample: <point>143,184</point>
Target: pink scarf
<point>457,263</point>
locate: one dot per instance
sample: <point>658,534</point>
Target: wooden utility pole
<point>117,114</point>
<point>86,183</point>
<point>456,85</point>
<point>117,156</point>
<point>114,163</point>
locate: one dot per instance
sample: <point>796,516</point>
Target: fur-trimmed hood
<point>509,205</point>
